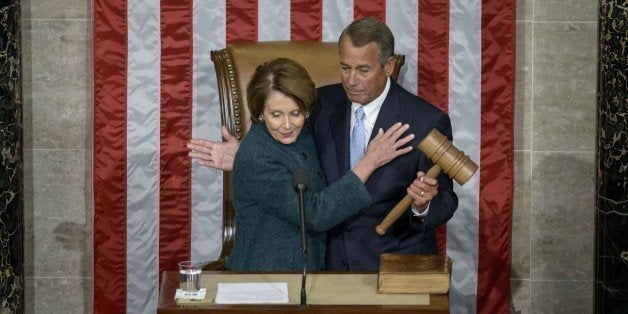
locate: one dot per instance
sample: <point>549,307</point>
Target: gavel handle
<point>401,207</point>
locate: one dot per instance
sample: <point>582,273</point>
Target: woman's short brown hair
<point>283,75</point>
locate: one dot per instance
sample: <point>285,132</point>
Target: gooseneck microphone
<point>299,183</point>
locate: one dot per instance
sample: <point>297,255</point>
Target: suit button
<point>304,155</point>
<point>319,174</point>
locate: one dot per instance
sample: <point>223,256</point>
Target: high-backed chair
<point>234,66</point>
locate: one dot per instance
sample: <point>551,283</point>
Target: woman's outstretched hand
<point>212,154</point>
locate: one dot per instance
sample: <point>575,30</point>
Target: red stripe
<point>306,20</point>
<point>176,128</point>
<point>110,76</point>
<point>241,20</point>
<point>496,156</point>
<point>433,50</point>
<point>369,8</point>
<point>433,67</point>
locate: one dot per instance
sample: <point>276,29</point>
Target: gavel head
<point>452,161</point>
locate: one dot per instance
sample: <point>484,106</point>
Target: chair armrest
<point>219,265</point>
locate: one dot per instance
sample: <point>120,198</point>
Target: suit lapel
<point>390,111</point>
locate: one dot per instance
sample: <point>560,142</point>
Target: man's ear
<point>389,66</point>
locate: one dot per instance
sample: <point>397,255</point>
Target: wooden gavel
<point>446,157</point>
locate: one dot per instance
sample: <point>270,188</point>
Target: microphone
<point>299,179</point>
<point>299,184</point>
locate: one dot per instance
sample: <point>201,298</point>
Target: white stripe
<point>209,34</point>
<point>273,20</point>
<point>143,156</point>
<point>465,109</point>
<point>337,14</point>
<point>402,17</point>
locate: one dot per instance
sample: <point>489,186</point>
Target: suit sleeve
<point>443,206</point>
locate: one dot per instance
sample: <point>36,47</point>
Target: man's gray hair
<point>364,31</point>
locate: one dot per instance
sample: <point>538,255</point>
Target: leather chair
<point>234,66</point>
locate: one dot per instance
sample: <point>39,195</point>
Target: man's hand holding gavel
<point>422,190</point>
<point>445,156</point>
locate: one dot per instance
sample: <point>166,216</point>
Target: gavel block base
<point>326,292</point>
<point>413,273</point>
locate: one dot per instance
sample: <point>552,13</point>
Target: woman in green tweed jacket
<point>280,95</point>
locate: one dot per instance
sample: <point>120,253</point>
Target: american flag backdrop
<point>155,88</point>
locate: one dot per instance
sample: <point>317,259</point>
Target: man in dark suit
<point>366,62</point>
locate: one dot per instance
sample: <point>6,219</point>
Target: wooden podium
<point>327,292</point>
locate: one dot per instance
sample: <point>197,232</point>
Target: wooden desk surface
<point>170,283</point>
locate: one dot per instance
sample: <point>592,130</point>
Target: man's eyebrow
<point>362,66</point>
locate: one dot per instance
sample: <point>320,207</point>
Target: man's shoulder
<point>331,90</point>
<point>409,99</point>
<point>327,99</point>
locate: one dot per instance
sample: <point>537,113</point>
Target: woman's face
<point>283,118</point>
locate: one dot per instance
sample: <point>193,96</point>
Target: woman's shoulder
<point>256,135</point>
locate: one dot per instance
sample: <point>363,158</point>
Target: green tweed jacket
<point>268,234</point>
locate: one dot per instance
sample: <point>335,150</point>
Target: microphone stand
<point>301,187</point>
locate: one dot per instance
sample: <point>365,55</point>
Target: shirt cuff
<point>419,214</point>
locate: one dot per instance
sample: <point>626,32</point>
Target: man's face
<point>363,77</point>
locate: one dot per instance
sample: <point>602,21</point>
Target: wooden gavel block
<point>446,157</point>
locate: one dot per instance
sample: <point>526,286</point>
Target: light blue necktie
<point>357,137</point>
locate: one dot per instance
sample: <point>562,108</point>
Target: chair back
<point>234,65</point>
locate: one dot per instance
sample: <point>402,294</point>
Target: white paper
<point>198,295</point>
<point>252,293</point>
